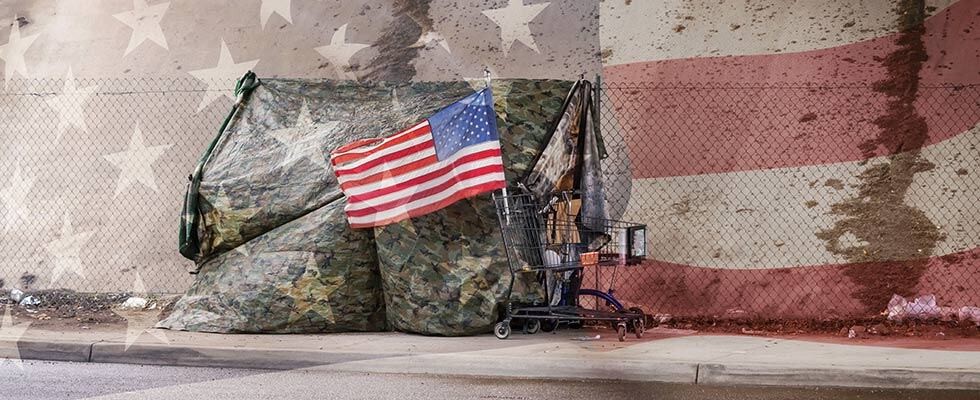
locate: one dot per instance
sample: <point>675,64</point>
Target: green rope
<point>189,243</point>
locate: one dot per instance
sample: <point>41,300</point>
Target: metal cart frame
<point>551,239</point>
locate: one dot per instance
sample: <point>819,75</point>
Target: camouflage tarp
<point>276,249</point>
<point>271,167</point>
<point>446,272</point>
<point>313,274</point>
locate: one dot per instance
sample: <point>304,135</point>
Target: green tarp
<point>276,254</point>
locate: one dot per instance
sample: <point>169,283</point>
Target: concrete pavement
<point>662,356</point>
<point>65,380</point>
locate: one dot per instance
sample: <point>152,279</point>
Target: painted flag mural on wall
<point>754,153</point>
<point>452,155</point>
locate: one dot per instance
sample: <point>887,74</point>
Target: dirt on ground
<point>65,310</point>
<point>911,334</point>
<point>61,310</point>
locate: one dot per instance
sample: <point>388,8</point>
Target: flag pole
<point>503,191</point>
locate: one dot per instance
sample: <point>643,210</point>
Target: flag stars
<point>135,164</point>
<point>13,52</point>
<point>15,199</point>
<point>213,77</point>
<point>69,106</point>
<point>339,52</point>
<point>304,140</point>
<point>65,251</point>
<point>144,20</point>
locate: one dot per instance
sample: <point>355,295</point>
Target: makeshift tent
<point>275,252</point>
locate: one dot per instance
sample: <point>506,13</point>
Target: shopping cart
<point>552,239</point>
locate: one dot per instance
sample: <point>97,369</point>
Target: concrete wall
<point>837,175</point>
<point>87,200</point>
<point>745,190</point>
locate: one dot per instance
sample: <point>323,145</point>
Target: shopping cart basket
<point>552,239</point>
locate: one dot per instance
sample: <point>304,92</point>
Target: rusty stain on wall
<point>896,238</point>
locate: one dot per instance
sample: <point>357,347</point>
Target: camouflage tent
<point>275,253</point>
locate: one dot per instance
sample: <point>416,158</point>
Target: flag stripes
<point>401,176</point>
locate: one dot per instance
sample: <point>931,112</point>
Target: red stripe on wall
<point>688,131</point>
<point>811,292</point>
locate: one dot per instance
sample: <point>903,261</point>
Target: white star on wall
<point>280,7</point>
<point>513,21</point>
<point>339,52</point>
<point>145,22</point>
<point>69,104</point>
<point>305,139</point>
<point>12,53</point>
<point>136,163</point>
<point>66,249</point>
<point>10,335</point>
<point>226,69</point>
<point>139,322</point>
<point>14,199</point>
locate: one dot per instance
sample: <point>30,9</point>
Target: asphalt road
<point>62,380</point>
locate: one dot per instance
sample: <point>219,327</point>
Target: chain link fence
<point>795,201</point>
<point>789,201</point>
<point>93,171</point>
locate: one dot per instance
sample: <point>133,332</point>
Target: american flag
<point>452,155</point>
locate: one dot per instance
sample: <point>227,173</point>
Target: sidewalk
<point>662,355</point>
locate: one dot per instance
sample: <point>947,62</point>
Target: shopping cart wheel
<point>639,327</point>
<point>643,315</point>
<point>549,325</point>
<point>621,331</point>
<point>532,326</point>
<point>502,330</point>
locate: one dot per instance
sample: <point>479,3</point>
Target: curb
<point>485,365</point>
<point>48,351</point>
<point>891,378</point>
<point>222,357</point>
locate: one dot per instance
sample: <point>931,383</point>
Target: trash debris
<point>134,303</point>
<point>969,313</point>
<point>922,307</point>
<point>661,318</point>
<point>16,295</point>
<point>746,331</point>
<point>30,301</point>
<point>586,338</point>
<point>735,312</point>
<point>880,329</point>
<point>947,313</point>
<point>857,332</point>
